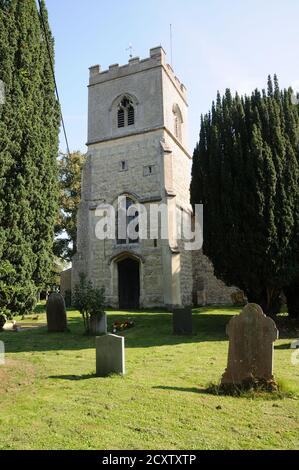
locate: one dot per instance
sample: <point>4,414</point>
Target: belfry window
<point>126,113</point>
<point>131,116</point>
<point>121,118</point>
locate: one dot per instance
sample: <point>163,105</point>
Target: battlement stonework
<point>135,65</point>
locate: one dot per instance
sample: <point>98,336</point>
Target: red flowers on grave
<point>120,326</point>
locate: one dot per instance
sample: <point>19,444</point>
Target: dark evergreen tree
<point>29,129</point>
<point>7,48</point>
<point>245,172</point>
<point>47,170</point>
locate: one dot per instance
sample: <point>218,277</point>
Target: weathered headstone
<point>250,355</point>
<point>182,321</point>
<point>56,314</point>
<point>110,355</point>
<point>98,324</point>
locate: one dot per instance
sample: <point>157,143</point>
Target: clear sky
<point>217,44</point>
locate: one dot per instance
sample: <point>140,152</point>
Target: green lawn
<point>50,398</point>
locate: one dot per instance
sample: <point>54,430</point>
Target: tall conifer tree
<point>29,129</point>
<point>246,173</point>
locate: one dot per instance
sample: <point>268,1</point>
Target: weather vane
<point>130,48</point>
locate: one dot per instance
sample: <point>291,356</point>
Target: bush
<point>89,301</point>
<point>15,299</point>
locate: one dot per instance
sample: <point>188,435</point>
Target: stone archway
<point>128,283</point>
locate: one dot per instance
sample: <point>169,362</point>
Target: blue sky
<point>216,44</point>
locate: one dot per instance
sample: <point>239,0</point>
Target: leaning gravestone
<point>56,314</point>
<point>110,355</point>
<point>182,321</point>
<point>250,355</point>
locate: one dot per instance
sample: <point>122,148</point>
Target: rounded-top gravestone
<point>250,354</point>
<point>56,314</point>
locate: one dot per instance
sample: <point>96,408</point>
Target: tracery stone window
<point>126,113</point>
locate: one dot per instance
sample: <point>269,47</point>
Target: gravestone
<point>182,321</point>
<point>98,324</point>
<point>56,314</point>
<point>250,355</point>
<point>110,355</point>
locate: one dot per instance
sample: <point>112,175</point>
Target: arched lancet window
<point>123,220</point>
<point>125,113</point>
<point>178,121</point>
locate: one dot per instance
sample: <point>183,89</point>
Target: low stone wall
<point>207,289</point>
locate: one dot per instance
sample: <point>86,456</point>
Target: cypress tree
<point>28,150</point>
<point>46,207</point>
<point>246,175</point>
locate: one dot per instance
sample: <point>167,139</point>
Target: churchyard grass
<point>50,398</point>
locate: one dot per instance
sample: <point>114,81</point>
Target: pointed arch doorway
<point>128,283</point>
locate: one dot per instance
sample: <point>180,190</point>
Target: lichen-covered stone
<point>250,355</point>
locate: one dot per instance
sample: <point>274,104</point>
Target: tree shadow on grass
<point>150,330</point>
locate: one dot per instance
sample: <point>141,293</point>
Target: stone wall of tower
<point>118,163</point>
<point>104,184</point>
<point>178,167</point>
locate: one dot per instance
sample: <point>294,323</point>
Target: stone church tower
<point>137,148</point>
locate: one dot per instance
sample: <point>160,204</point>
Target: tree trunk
<point>292,295</point>
<point>269,299</point>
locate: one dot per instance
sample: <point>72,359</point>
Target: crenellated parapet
<point>157,58</point>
